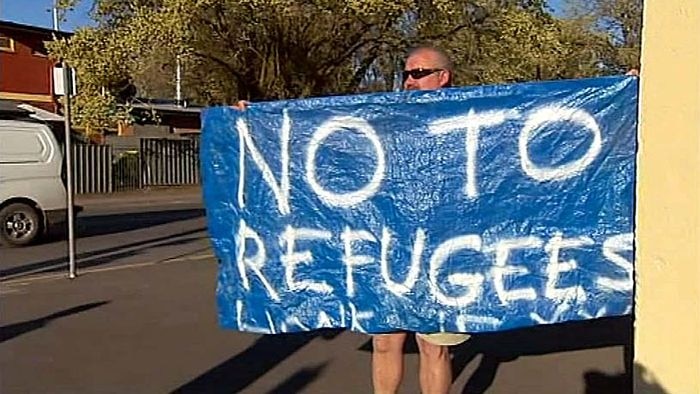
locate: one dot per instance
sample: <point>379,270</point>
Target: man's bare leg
<point>435,369</point>
<point>387,362</point>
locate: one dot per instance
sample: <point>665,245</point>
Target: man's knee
<point>388,343</point>
<point>432,351</point>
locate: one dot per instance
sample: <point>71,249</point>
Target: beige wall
<point>667,335</point>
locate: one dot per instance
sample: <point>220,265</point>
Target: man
<point>426,68</point>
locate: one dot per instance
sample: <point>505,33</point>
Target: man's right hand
<point>241,105</point>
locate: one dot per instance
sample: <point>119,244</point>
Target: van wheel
<point>20,224</point>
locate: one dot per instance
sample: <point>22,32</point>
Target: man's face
<point>423,71</point>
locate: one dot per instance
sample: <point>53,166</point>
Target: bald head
<point>440,57</point>
<point>420,61</point>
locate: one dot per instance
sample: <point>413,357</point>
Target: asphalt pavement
<point>141,318</point>
<point>122,228</point>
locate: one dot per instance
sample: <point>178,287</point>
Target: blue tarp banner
<point>460,210</point>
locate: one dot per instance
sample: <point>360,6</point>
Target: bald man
<point>427,68</point>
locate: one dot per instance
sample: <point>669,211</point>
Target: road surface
<point>126,228</point>
<point>141,318</point>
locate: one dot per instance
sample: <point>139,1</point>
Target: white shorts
<point>444,338</point>
<point>440,338</point>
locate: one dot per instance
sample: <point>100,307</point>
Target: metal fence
<point>127,170</point>
<point>157,162</point>
<point>92,169</point>
<point>169,162</point>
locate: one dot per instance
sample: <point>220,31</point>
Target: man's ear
<point>445,78</point>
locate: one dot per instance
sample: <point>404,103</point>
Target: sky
<point>38,13</point>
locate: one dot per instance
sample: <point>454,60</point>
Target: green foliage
<point>274,49</point>
<point>64,6</point>
<point>620,20</point>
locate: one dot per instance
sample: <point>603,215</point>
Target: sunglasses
<point>418,73</point>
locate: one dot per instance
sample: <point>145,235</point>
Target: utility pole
<point>178,81</point>
<point>70,219</point>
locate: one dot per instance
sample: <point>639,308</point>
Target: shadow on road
<point>90,226</point>
<point>14,330</point>
<point>95,225</point>
<point>500,347</point>
<point>299,380</point>
<point>240,371</point>
<point>102,256</point>
<point>597,382</point>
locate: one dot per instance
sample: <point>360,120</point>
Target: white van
<point>32,192</point>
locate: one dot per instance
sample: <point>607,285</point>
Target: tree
<point>252,49</point>
<point>276,49</point>
<point>619,20</point>
<point>101,77</point>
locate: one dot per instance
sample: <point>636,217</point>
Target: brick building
<point>27,75</point>
<point>32,82</point>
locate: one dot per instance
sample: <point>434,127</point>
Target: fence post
<point>110,167</point>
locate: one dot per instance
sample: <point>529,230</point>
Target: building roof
<point>40,114</point>
<point>18,109</point>
<point>33,29</point>
<point>9,108</point>
<point>161,105</point>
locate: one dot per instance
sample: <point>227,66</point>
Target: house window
<point>7,44</point>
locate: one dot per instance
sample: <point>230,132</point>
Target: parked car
<point>32,191</point>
